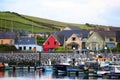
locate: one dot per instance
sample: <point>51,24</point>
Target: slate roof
<point>25,40</point>
<point>115,28</point>
<point>117,31</point>
<point>106,34</point>
<point>65,34</point>
<point>118,36</point>
<point>7,35</point>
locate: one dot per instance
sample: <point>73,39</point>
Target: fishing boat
<point>103,71</point>
<point>63,66</point>
<point>114,70</point>
<point>4,66</point>
<point>47,68</point>
<point>68,67</point>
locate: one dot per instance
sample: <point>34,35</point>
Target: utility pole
<point>5,24</point>
<point>12,25</point>
<point>32,27</point>
<point>1,24</point>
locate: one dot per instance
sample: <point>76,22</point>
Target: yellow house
<point>7,38</point>
<point>74,42</point>
<point>7,41</point>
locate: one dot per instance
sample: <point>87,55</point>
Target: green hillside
<point>15,21</point>
<point>58,24</point>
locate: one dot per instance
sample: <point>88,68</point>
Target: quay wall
<point>33,57</point>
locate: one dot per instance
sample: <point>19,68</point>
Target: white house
<point>27,43</point>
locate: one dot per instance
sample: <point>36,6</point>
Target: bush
<point>62,49</point>
<point>118,47</point>
<point>4,47</point>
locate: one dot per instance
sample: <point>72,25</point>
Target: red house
<point>50,43</point>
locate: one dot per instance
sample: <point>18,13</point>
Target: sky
<point>101,12</point>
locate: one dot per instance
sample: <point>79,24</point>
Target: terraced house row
<point>76,38</point>
<point>21,42</point>
<point>69,38</point>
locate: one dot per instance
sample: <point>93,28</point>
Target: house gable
<point>73,38</point>
<point>95,41</point>
<point>65,34</point>
<point>95,37</point>
<point>50,43</point>
<point>75,41</point>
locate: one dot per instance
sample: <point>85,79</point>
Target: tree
<point>118,46</point>
<point>4,47</point>
<point>40,40</point>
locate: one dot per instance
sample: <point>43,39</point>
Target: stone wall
<point>33,57</point>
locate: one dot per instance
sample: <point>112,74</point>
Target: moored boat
<point>4,66</point>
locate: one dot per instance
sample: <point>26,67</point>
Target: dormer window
<point>73,38</point>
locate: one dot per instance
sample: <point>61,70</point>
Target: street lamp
<point>87,53</point>
<point>74,49</point>
<point>105,51</point>
<point>74,58</point>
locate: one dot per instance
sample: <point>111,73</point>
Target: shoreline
<point>35,58</point>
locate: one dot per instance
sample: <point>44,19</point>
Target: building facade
<point>27,44</point>
<point>7,38</point>
<point>51,43</point>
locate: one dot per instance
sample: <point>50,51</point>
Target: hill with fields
<point>15,21</point>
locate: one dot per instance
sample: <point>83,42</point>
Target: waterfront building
<point>70,38</point>
<point>73,38</point>
<point>7,38</point>
<point>27,43</point>
<point>51,43</point>
<point>99,39</point>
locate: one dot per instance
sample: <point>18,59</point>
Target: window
<point>11,41</point>
<point>1,41</point>
<point>30,48</point>
<point>55,43</point>
<point>73,38</point>
<point>20,48</point>
<point>48,42</point>
<point>110,44</point>
<point>24,48</point>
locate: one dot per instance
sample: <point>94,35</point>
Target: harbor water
<point>22,74</point>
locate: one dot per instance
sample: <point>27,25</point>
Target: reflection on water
<point>37,75</point>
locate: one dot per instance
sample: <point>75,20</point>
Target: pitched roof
<point>60,38</point>
<point>52,35</point>
<point>115,28</point>
<point>68,33</point>
<point>106,34</point>
<point>25,40</point>
<point>7,35</point>
<point>65,34</point>
<point>117,36</point>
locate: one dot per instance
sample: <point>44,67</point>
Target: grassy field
<point>11,20</point>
